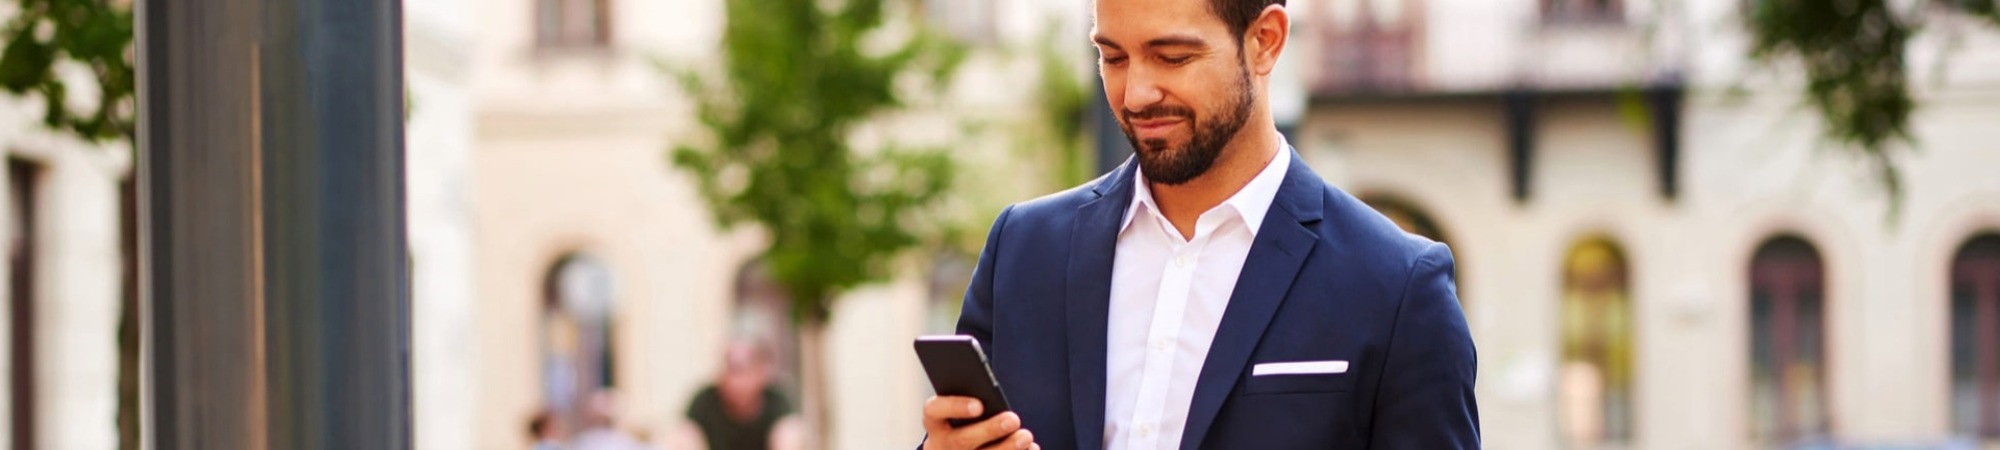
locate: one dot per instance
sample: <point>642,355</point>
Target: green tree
<point>95,35</point>
<point>1853,53</point>
<point>42,38</point>
<point>795,80</point>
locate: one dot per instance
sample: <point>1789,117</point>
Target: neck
<point>1246,154</point>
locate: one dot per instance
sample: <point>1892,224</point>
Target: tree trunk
<point>814,398</point>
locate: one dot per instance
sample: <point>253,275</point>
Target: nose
<point>1141,90</point>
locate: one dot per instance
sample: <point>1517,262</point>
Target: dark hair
<point>539,425</point>
<point>1238,14</point>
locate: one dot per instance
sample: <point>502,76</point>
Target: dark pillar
<point>1664,102</point>
<point>274,263</point>
<point>1113,147</point>
<point>1521,123</point>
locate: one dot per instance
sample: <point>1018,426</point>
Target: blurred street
<point>1661,242</point>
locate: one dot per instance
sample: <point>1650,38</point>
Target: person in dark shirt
<point>742,410</point>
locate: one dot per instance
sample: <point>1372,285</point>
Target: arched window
<point>1595,395</point>
<point>763,311</point>
<point>576,334</point>
<point>1787,341</point>
<point>1975,337</point>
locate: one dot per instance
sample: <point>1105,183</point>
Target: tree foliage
<point>95,35</point>
<point>1853,53</point>
<point>796,80</point>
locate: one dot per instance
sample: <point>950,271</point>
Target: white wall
<point>77,271</point>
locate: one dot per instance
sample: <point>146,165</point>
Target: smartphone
<point>957,366</point>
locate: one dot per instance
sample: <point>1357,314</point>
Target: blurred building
<point>65,277</point>
<point>1656,248</point>
<point>598,267</point>
<point>445,378</point>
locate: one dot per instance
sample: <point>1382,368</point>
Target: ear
<point>1266,38</point>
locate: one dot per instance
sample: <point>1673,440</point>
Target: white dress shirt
<point>1167,298</point>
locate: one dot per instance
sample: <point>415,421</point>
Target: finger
<point>1023,439</point>
<point>1020,440</point>
<point>989,430</point>
<point>938,411</point>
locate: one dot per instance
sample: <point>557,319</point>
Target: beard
<point>1176,165</point>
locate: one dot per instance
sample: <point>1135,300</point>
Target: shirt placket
<point>1162,343</point>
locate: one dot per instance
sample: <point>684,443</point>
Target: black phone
<point>957,366</point>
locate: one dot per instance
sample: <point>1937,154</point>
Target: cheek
<point>1218,86</point>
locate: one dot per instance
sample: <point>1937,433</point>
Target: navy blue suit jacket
<point>1327,278</point>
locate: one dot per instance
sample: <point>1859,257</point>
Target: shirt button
<point>1145,429</point>
<point>1181,261</point>
<point>1162,344</point>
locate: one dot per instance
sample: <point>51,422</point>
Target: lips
<point>1155,128</point>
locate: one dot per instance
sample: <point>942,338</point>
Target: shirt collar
<point>1251,202</point>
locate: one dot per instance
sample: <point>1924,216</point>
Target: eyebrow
<point>1172,40</point>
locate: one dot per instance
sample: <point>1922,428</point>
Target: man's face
<point>1177,79</point>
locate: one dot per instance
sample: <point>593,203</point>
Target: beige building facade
<point>584,227</point>
<point>546,220</point>
<point>1436,133</point>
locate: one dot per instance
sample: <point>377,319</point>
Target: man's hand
<point>1002,431</point>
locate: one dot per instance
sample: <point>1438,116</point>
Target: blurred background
<point>1679,224</point>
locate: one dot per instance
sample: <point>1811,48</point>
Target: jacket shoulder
<point>1053,209</point>
<point>1390,254</point>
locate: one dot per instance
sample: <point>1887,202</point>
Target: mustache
<point>1159,111</point>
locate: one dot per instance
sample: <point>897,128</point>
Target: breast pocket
<point>1288,377</point>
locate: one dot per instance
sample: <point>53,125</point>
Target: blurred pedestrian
<point>743,410</point>
<point>600,429</point>
<point>546,431</point>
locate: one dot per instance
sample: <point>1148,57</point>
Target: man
<point>1212,292</point>
<point>742,410</point>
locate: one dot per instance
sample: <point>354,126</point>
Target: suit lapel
<point>1275,258</point>
<point>1093,243</point>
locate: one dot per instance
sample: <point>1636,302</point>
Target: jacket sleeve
<point>1424,399</point>
<point>975,316</point>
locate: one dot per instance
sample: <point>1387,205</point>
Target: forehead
<point>1139,20</point>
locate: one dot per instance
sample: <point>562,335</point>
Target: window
<point>1583,11</point>
<point>763,313</point>
<point>1975,338</point>
<point>576,345</point>
<point>1368,46</point>
<point>1787,342</point>
<point>573,23</point>
<point>1594,396</point>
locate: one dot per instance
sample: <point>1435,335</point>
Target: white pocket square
<point>1299,368</point>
